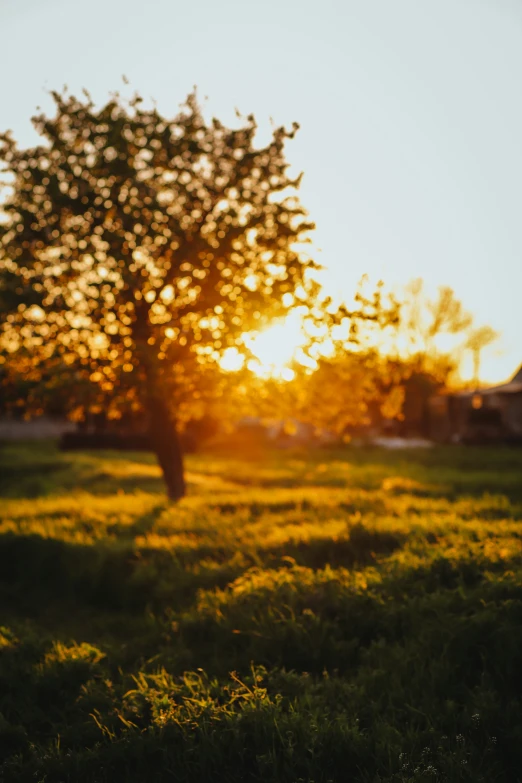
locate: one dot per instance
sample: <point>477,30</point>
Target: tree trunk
<point>166,444</point>
<point>163,434</point>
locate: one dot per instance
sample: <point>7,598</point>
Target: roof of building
<point>505,388</point>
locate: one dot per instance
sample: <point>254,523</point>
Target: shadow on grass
<point>37,572</point>
<point>28,480</point>
<point>39,569</point>
<point>141,525</point>
<point>36,480</point>
<point>256,509</point>
<point>361,547</point>
<point>106,483</point>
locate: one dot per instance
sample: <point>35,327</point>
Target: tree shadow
<point>35,570</point>
<point>109,577</point>
<point>362,546</point>
<point>28,480</point>
<point>257,508</point>
<point>141,525</point>
<point>106,483</point>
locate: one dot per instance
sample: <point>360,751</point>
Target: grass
<point>334,616</point>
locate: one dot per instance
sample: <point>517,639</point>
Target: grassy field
<point>349,617</point>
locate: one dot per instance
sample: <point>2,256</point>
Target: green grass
<point>336,616</point>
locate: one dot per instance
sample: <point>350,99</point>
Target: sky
<point>410,115</point>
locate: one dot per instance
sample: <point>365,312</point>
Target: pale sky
<point>410,114</point>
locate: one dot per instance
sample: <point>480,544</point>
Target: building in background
<point>486,415</point>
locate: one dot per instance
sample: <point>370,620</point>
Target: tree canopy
<point>136,248</point>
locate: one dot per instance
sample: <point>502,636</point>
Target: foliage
<point>387,361</point>
<point>348,389</point>
<point>425,319</point>
<point>478,339</point>
<point>330,616</point>
<point>395,360</point>
<point>135,249</point>
<point>431,334</point>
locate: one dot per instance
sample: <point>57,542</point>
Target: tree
<point>348,389</point>
<point>423,321</point>
<point>433,333</point>
<point>135,249</point>
<point>478,339</point>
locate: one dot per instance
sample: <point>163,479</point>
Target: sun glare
<point>232,360</point>
<point>273,350</point>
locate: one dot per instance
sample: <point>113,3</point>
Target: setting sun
<point>276,347</point>
<point>273,349</point>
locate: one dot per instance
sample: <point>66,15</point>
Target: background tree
<point>477,340</point>
<point>424,322</point>
<point>348,390</point>
<point>428,343</point>
<point>135,249</point>
<point>406,351</point>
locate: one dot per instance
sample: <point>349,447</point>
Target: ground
<point>332,616</point>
